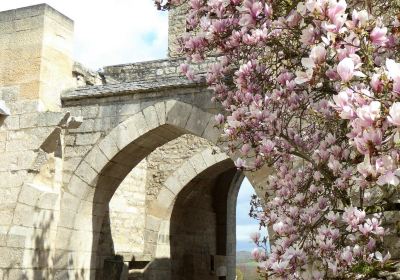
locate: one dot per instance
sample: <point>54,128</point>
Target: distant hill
<point>243,257</point>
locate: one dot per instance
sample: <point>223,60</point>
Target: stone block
<point>78,187</point>
<point>12,123</point>
<point>69,202</point>
<point>29,194</point>
<point>140,123</point>
<point>125,133</point>
<point>86,173</point>
<point>87,139</point>
<point>88,125</point>
<point>18,237</point>
<point>151,117</point>
<point>198,163</point>
<point>197,122</point>
<point>67,218</point>
<point>49,118</point>
<point>29,120</point>
<point>160,110</point>
<point>11,257</point>
<point>186,173</point>
<point>208,157</point>
<point>90,111</point>
<point>165,198</point>
<point>108,147</point>
<point>96,159</point>
<point>107,111</point>
<point>173,184</point>
<point>129,109</point>
<point>76,151</point>
<point>152,223</point>
<point>24,215</point>
<point>63,238</point>
<point>212,133</point>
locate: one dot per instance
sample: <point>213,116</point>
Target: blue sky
<point>110,32</point>
<point>244,224</point>
<point>123,31</point>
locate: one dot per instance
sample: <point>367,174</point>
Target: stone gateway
<point>108,175</point>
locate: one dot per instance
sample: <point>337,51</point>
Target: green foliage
<point>372,271</point>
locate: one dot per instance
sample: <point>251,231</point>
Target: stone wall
<point>165,159</point>
<point>35,48</point>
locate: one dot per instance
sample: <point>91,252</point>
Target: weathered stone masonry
<point>107,173</point>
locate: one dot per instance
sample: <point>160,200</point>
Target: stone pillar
<point>35,66</point>
<point>35,54</point>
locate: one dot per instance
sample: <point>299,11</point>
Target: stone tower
<point>176,28</point>
<point>35,54</point>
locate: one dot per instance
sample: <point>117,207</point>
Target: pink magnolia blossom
<point>376,83</point>
<point>378,35</point>
<point>245,149</point>
<point>347,256</point>
<point>369,113</point>
<point>256,254</point>
<point>255,236</point>
<point>240,163</point>
<point>320,108</point>
<point>345,69</point>
<point>393,69</point>
<point>389,178</point>
<point>318,54</point>
<point>220,118</point>
<point>394,74</point>
<point>394,114</point>
<point>280,266</point>
<point>359,18</point>
<point>336,9</point>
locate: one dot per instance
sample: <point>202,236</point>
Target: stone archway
<point>101,171</point>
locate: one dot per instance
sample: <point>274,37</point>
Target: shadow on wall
<point>2,119</point>
<point>37,255</point>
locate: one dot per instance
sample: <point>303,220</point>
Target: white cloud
<point>111,32</point>
<point>243,232</point>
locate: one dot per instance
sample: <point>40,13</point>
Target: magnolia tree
<point>312,89</point>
